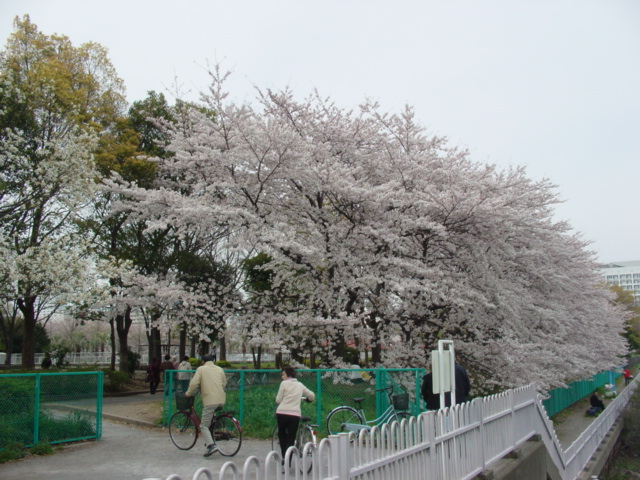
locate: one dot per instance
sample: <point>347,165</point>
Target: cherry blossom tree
<point>381,235</point>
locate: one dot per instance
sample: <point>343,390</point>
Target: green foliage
<point>12,451</point>
<point>195,363</point>
<point>133,361</point>
<point>42,340</point>
<point>58,355</point>
<point>223,364</point>
<point>42,448</point>
<point>72,426</point>
<point>115,380</point>
<point>258,279</point>
<point>352,355</point>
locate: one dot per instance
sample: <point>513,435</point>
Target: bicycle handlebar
<point>385,388</point>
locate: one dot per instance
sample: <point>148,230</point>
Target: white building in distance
<point>625,274</point>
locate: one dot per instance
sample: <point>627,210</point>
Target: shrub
<point>223,364</point>
<point>42,448</point>
<point>115,380</point>
<point>133,361</point>
<point>12,451</point>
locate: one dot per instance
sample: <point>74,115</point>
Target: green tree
<point>57,100</point>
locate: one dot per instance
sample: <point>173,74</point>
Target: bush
<point>223,364</point>
<point>115,381</point>
<point>133,361</point>
<point>12,451</point>
<point>42,448</point>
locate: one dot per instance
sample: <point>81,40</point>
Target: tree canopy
<point>55,100</point>
<point>384,237</point>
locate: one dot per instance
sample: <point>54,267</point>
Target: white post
<point>443,371</point>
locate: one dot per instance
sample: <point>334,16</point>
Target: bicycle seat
<point>359,400</point>
<point>305,419</point>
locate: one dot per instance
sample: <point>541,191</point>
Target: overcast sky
<point>553,85</point>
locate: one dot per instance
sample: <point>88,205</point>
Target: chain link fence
<point>251,393</point>
<point>50,407</point>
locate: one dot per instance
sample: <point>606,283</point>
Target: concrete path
<point>126,451</point>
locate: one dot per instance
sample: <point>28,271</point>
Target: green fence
<point>251,393</point>
<point>561,398</point>
<point>50,407</point>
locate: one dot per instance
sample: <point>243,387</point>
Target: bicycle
<point>184,427</point>
<point>349,419</point>
<point>307,433</point>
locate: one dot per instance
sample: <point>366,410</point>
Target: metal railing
<point>50,407</point>
<point>454,443</point>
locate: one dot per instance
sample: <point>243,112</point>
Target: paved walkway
<point>130,449</point>
<point>570,423</point>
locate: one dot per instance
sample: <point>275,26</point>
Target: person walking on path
<point>288,412</point>
<point>167,364</point>
<point>183,375</point>
<point>210,380</point>
<point>153,374</point>
<point>627,376</point>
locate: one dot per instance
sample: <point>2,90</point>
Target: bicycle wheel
<point>182,431</point>
<point>339,419</point>
<point>227,434</point>
<point>305,435</point>
<point>403,415</point>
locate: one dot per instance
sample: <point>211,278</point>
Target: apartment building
<point>625,274</point>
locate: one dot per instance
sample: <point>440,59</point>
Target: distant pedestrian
<point>183,375</point>
<point>627,376</point>
<point>167,364</point>
<point>214,352</point>
<point>153,375</point>
<point>46,362</point>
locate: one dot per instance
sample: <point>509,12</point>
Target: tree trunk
<point>27,307</point>
<point>183,341</point>
<point>376,354</point>
<point>223,348</point>
<point>112,327</point>
<point>123,325</point>
<point>155,344</point>
<point>256,355</point>
<point>192,348</point>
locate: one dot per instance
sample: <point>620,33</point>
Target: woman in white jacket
<point>288,412</point>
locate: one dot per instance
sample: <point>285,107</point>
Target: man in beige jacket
<point>210,380</point>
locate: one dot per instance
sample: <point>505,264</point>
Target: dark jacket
<point>463,387</point>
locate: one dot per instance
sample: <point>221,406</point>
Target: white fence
<point>451,444</point>
<point>99,358</point>
<point>89,358</point>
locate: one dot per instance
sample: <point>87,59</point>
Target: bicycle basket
<point>401,401</point>
<point>183,402</point>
